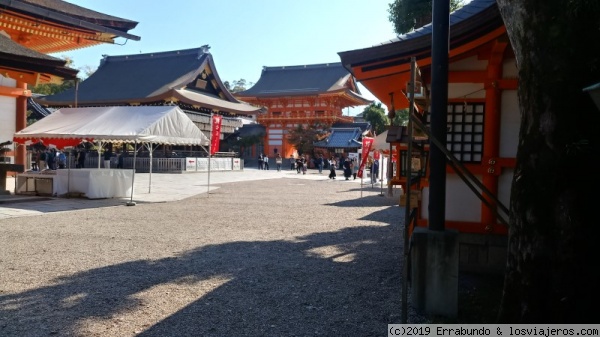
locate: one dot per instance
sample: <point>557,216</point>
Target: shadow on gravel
<point>367,201</point>
<point>333,283</point>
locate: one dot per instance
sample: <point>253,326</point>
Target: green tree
<point>401,117</point>
<point>374,113</point>
<point>237,86</point>
<point>551,273</point>
<point>53,88</point>
<point>407,15</point>
<point>303,137</point>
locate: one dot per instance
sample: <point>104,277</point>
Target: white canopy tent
<point>147,125</point>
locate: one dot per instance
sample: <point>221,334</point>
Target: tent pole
<point>150,149</point>
<point>131,202</point>
<point>380,175</point>
<point>69,176</point>
<point>99,143</point>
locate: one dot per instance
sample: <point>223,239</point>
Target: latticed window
<point>464,136</point>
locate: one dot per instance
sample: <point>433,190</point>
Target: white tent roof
<point>380,142</point>
<point>142,124</point>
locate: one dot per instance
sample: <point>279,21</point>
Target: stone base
<point>434,271</point>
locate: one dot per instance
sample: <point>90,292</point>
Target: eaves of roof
<point>174,95</point>
<point>35,8</point>
<point>341,138</point>
<point>16,56</point>
<point>84,13</point>
<point>475,19</point>
<point>135,78</point>
<point>307,80</point>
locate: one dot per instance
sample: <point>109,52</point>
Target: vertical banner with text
<point>366,148</point>
<point>215,135</point>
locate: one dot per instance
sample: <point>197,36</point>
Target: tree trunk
<point>551,274</point>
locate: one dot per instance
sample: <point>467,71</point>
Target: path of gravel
<point>283,257</point>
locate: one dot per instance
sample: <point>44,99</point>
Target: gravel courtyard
<point>281,257</point>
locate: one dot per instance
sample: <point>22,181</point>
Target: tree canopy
<point>302,138</point>
<point>374,113</point>
<point>237,86</point>
<point>407,15</point>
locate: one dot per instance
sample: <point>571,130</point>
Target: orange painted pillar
<point>21,123</point>
<point>491,139</point>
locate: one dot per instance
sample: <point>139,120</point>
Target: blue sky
<point>246,35</point>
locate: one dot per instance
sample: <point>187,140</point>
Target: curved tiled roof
<point>129,78</point>
<point>148,78</point>
<point>83,13</point>
<point>299,80</point>
<point>73,15</point>
<point>14,55</point>
<point>474,19</point>
<point>341,138</point>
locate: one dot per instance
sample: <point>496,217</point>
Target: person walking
<point>62,160</point>
<point>278,162</point>
<point>266,162</point>
<point>120,159</point>
<point>320,163</point>
<point>332,167</point>
<point>298,165</point>
<point>51,159</point>
<point>42,160</point>
<point>81,158</point>
<point>374,171</point>
<point>260,161</point>
<point>347,169</point>
<point>292,162</point>
<point>107,155</point>
<point>355,167</point>
<point>304,164</point>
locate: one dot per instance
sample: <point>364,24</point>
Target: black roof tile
<point>299,80</point>
<point>342,138</point>
<point>88,15</point>
<point>138,76</point>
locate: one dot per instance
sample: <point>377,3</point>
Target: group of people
<point>48,159</point>
<point>299,164</point>
<point>350,166</point>
<point>263,161</point>
<point>52,159</point>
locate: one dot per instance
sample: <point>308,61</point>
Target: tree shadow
<point>346,282</point>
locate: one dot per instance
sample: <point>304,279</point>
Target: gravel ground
<point>283,257</point>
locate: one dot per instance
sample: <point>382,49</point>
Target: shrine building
<point>301,95</point>
<point>30,29</point>
<point>186,78</point>
<point>483,117</point>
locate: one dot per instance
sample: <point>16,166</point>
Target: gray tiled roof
<point>476,18</point>
<point>341,138</point>
<point>299,80</point>
<point>82,13</point>
<point>13,55</point>
<point>73,15</point>
<point>8,46</point>
<point>364,126</point>
<point>129,78</point>
<point>467,11</point>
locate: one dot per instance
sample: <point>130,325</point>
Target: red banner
<point>366,148</point>
<point>215,134</point>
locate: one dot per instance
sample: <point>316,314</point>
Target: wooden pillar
<point>21,123</point>
<point>491,139</point>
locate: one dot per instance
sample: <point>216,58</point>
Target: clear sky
<point>245,35</point>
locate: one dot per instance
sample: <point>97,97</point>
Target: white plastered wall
<point>8,108</point>
<point>461,203</point>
